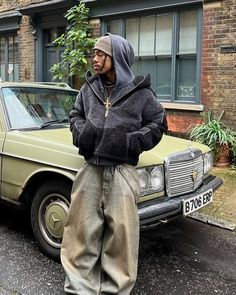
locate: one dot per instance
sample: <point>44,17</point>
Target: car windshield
<point>29,107</point>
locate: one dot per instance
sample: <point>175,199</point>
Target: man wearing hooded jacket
<point>115,118</point>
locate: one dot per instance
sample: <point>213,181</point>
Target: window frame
<point>6,62</point>
<point>174,55</point>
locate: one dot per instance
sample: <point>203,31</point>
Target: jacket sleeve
<point>77,119</point>
<point>154,124</point>
<point>83,132</point>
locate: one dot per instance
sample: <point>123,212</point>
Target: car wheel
<point>48,216</point>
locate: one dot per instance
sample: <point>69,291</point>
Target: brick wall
<point>180,122</point>
<point>6,5</point>
<point>26,40</point>
<point>218,69</point>
<point>26,51</point>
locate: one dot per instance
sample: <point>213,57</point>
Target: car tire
<point>48,215</point>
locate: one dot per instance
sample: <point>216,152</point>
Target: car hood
<point>49,146</point>
<point>55,146</point>
<point>167,146</point>
<point>60,137</point>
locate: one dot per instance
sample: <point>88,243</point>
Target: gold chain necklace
<point>107,101</point>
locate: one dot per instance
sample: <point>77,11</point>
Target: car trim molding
<point>40,162</point>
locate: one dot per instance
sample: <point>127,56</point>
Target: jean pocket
<point>131,177</point>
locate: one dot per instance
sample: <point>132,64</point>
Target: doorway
<point>52,53</point>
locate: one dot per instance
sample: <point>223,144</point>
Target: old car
<point>39,163</point>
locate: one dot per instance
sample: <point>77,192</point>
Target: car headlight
<point>151,179</point>
<point>208,162</point>
<point>144,180</point>
<point>157,179</point>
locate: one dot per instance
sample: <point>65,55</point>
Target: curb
<point>213,220</point>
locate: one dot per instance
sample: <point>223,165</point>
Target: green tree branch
<point>77,43</point>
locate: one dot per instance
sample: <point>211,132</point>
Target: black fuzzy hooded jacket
<point>135,120</point>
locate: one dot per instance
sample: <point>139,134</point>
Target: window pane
<point>9,58</point>
<point>10,49</point>
<point>30,107</point>
<point>188,31</point>
<point>2,50</point>
<point>2,59</point>
<point>186,86</point>
<point>135,67</point>
<point>53,33</point>
<point>163,85</point>
<point>163,34</point>
<point>115,27</point>
<point>148,65</point>
<point>147,35</point>
<point>2,73</point>
<point>15,53</point>
<point>132,29</point>
<point>10,72</point>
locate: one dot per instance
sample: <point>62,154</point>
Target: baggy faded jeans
<point>101,237</point>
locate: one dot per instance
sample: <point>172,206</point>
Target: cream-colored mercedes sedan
<point>38,163</point>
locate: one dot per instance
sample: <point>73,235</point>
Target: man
<point>115,118</point>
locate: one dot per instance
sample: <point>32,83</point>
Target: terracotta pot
<point>223,158</point>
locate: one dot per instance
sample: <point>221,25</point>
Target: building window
<point>9,58</point>
<point>167,46</point>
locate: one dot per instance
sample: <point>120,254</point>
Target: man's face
<point>102,63</point>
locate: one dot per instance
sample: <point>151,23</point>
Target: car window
<point>32,107</point>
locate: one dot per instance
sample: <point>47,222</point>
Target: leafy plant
<point>77,44</point>
<point>233,153</point>
<point>213,132</point>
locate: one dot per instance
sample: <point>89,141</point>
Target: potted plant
<point>215,134</point>
<point>233,153</point>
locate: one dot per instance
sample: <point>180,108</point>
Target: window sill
<point>183,106</point>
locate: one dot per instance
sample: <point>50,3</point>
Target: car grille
<point>184,172</point>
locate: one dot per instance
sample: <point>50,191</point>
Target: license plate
<point>197,202</point>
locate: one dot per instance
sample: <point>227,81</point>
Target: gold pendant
<point>107,106</point>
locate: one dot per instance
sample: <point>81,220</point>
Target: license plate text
<point>197,202</point>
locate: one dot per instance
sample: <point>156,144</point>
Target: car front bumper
<point>163,209</point>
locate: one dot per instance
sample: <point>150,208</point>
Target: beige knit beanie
<point>104,44</point>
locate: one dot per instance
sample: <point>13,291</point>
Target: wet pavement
<point>184,257</point>
<point>23,268</point>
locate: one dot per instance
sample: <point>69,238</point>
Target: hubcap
<point>52,217</point>
<point>55,218</point>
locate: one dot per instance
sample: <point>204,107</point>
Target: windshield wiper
<point>49,123</point>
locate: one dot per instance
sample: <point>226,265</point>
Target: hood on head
<point>123,59</point>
